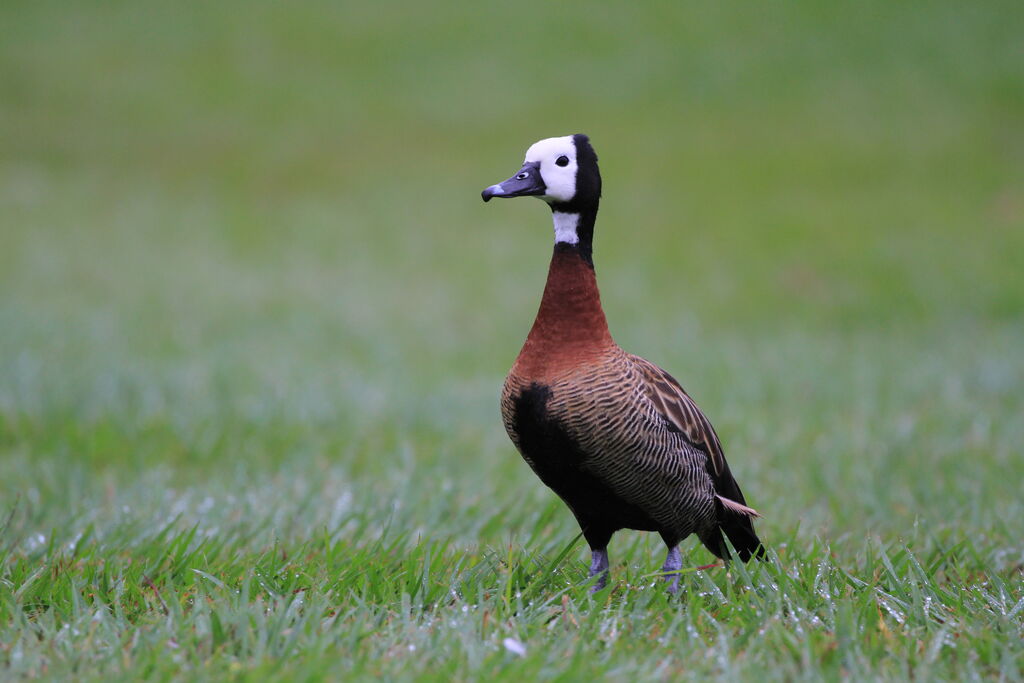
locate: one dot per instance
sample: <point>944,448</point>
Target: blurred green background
<point>247,281</point>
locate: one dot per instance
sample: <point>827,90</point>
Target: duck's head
<point>562,171</point>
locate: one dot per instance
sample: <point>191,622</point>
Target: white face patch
<point>559,180</point>
<point>565,227</point>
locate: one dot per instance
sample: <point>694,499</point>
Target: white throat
<point>565,227</point>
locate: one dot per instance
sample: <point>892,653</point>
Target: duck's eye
<point>523,176</point>
<point>562,161</point>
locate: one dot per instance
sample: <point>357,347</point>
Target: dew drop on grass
<point>895,613</point>
<point>35,542</point>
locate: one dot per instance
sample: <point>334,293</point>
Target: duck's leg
<point>598,537</point>
<point>599,568</point>
<point>673,563</point>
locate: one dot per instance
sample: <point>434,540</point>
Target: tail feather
<point>738,508</point>
<point>734,520</point>
<point>743,538</point>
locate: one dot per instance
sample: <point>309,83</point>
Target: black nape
<point>587,197</point>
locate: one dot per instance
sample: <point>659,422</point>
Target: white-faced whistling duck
<point>615,436</point>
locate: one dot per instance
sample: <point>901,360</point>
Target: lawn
<point>254,320</point>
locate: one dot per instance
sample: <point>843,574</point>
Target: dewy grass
<point>395,606</point>
<point>254,320</point>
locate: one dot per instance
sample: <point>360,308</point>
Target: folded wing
<point>682,415</point>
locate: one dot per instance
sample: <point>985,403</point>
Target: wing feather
<point>682,414</point>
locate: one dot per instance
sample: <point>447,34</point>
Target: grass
<point>254,320</point>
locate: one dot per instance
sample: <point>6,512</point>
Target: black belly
<point>560,463</point>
